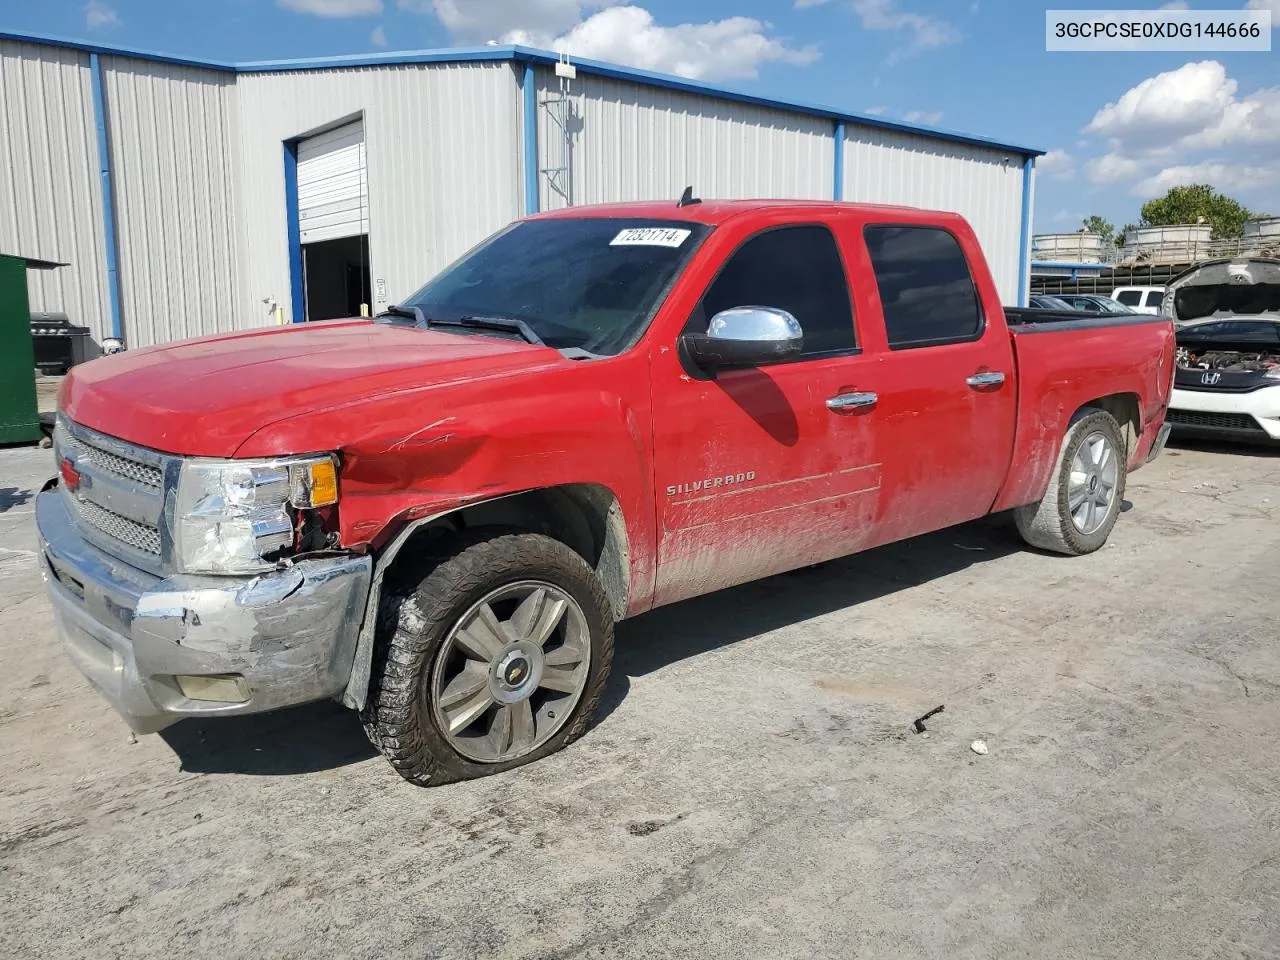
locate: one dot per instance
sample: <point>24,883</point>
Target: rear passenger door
<point>946,409</point>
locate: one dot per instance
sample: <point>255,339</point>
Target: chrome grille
<point>135,470</point>
<point>139,536</point>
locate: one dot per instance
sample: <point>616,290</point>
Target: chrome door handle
<point>852,401</point>
<point>993,379</point>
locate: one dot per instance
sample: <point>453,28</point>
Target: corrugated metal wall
<point>984,185</point>
<point>442,142</point>
<point>173,131</point>
<point>50,188</point>
<point>633,142</point>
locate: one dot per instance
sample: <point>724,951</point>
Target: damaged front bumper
<point>152,646</point>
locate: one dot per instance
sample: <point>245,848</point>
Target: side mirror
<point>745,337</point>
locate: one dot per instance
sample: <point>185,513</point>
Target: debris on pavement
<point>919,722</point>
<point>979,747</point>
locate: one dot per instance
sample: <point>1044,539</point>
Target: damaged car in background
<point>1227,316</point>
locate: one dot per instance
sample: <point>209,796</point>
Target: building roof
<point>521,54</point>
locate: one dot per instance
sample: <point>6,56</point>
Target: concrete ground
<point>751,788</point>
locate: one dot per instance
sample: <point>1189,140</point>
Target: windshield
<point>586,283</point>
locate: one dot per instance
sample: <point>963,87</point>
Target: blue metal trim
<point>108,198</point>
<point>452,55</point>
<point>529,55</point>
<point>45,40</point>
<point>837,192</point>
<point>1024,234</point>
<point>1070,265</point>
<point>297,296</point>
<point>530,145</point>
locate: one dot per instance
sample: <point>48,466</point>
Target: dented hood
<point>1240,288</point>
<point>206,397</point>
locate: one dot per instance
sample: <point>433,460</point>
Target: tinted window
<point>591,283</point>
<point>925,286</point>
<point>1154,297</point>
<point>1233,330</point>
<point>796,269</point>
<point>1130,298</point>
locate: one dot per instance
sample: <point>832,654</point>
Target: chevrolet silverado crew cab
<point>437,515</point>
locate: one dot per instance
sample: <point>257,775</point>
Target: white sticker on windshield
<point>650,237</point>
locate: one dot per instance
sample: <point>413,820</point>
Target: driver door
<point>755,472</point>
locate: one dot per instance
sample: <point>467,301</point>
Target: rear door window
<point>1130,298</point>
<point>926,288</point>
<point>1153,298</point>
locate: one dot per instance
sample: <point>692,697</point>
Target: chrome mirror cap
<point>755,324</point>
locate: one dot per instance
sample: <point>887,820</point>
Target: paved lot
<point>751,788</point>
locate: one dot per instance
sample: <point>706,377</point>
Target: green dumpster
<point>19,415</point>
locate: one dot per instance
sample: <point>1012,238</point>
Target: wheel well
<point>1127,412</point>
<point>585,517</point>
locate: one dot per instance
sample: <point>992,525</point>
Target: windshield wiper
<point>409,313</point>
<point>502,324</point>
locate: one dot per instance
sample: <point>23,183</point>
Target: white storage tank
<point>1262,235</point>
<point>1067,247</point>
<point>1176,243</point>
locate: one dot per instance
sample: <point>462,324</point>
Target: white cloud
<point>1056,165</point>
<point>924,32</point>
<point>928,118</point>
<point>1175,5</point>
<point>334,9</point>
<point>1168,106</point>
<point>379,37</point>
<point>478,21</point>
<point>1111,168</point>
<point>1192,108</point>
<point>801,4</point>
<point>1230,177</point>
<point>98,14</point>
<point>722,49</point>
<point>730,48</point>
<point>874,111</point>
<point>1272,5</point>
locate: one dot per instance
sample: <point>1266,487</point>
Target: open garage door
<point>333,222</point>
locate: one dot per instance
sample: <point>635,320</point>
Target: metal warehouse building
<point>192,197</point>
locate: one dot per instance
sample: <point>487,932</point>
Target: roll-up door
<point>333,193</point>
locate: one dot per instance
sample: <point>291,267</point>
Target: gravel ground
<point>751,787</point>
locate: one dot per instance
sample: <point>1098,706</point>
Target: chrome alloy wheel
<point>511,671</point>
<point>1091,487</point>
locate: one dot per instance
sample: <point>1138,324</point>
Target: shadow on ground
<point>306,739</point>
<point>1239,448</point>
<point>326,735</point>
<point>694,627</point>
<point>11,497</point>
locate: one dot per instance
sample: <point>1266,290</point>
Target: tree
<point>1123,230</point>
<point>1104,228</point>
<point>1192,203</point>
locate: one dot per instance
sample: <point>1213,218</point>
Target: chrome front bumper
<point>290,634</point>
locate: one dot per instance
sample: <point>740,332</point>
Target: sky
<point>1120,127</point>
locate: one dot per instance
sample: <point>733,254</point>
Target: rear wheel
<point>1083,501</point>
<point>496,658</point>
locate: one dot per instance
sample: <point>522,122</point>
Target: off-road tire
<point>414,620</point>
<point>1047,525</point>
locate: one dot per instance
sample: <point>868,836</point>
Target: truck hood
<point>1244,288</point>
<point>206,397</point>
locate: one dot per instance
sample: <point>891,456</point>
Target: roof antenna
<point>687,199</point>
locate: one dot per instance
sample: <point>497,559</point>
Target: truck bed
<point>1021,318</point>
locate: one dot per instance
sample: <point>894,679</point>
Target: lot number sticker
<point>650,237</point>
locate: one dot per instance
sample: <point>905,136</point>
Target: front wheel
<point>496,658</point>
<point>1082,503</point>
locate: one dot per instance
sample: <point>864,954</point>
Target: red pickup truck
<point>437,515</point>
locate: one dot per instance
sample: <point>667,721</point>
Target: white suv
<point>1139,299</point>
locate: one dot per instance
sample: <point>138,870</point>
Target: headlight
<point>233,516</point>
